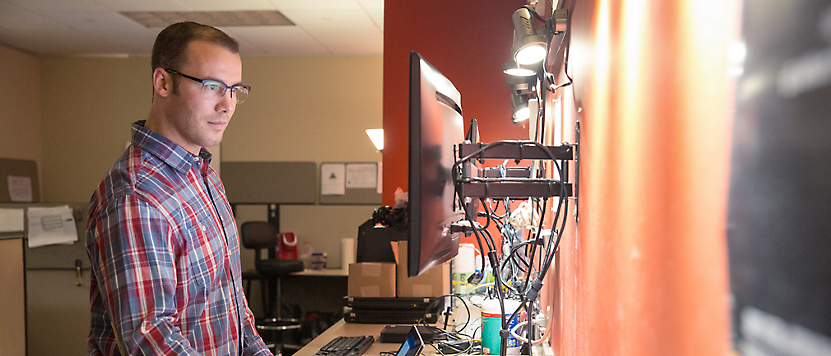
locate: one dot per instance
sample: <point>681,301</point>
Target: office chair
<point>259,236</point>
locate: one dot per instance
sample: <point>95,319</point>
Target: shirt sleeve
<point>253,344</point>
<point>135,257</point>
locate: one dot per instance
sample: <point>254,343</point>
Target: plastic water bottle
<point>306,254</point>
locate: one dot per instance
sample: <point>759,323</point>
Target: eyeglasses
<point>214,89</point>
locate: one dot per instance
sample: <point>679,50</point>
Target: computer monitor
<point>436,126</point>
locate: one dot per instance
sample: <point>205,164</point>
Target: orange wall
<point>644,271</point>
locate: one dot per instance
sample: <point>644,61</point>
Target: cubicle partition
<point>55,308</point>
<point>290,196</point>
<point>45,309</point>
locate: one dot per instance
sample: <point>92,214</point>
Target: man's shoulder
<point>137,173</point>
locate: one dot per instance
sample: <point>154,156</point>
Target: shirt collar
<point>166,150</point>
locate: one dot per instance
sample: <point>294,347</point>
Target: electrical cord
<point>533,342</point>
<point>530,245</point>
<point>533,12</point>
<point>562,208</point>
<point>521,256</point>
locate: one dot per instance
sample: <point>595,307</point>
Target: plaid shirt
<point>165,257</point>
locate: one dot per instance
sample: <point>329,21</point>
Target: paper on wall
<point>52,225</point>
<point>380,177</point>
<point>20,188</point>
<point>362,175</point>
<point>332,177</point>
<point>11,220</point>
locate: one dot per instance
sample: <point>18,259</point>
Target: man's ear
<point>162,82</point>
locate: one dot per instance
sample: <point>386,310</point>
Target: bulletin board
<point>270,182</point>
<point>350,183</point>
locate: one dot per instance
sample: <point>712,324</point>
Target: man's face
<point>195,121</point>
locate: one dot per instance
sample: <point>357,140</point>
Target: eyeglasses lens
<point>240,93</point>
<point>213,90</point>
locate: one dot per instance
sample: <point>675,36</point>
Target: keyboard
<point>346,346</point>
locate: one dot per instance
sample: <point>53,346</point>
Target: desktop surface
<point>342,328</point>
<point>326,272</point>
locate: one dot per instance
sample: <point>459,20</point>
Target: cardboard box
<point>434,282</point>
<point>371,280</point>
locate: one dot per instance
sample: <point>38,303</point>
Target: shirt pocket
<point>206,254</point>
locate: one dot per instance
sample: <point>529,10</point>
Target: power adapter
<point>457,346</point>
<point>396,334</point>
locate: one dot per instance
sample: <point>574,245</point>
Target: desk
<point>342,328</point>
<point>342,272</point>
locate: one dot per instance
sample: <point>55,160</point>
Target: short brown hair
<point>172,42</point>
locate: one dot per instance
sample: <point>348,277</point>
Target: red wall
<point>468,41</point>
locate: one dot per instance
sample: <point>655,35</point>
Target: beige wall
<point>74,118</point>
<point>88,105</point>
<point>307,109</point>
<point>20,106</point>
<point>300,109</point>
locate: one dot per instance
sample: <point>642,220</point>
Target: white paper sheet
<point>380,189</point>
<point>20,188</point>
<point>332,176</point>
<point>52,225</point>
<point>11,220</point>
<point>362,175</point>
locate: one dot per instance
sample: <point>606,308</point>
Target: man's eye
<point>212,86</point>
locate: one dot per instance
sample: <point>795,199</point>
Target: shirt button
<point>196,159</point>
<point>204,228</point>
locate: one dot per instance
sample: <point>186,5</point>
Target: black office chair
<point>259,236</point>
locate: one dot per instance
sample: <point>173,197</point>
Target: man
<point>161,237</point>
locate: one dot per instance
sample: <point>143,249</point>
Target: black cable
<point>467,212</point>
<point>530,330</point>
<point>493,209</point>
<point>562,208</point>
<point>467,215</point>
<point>552,245</point>
<point>423,319</point>
<point>489,242</point>
<point>515,251</point>
<point>534,12</point>
<point>488,220</point>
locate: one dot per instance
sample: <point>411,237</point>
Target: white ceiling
<point>96,28</point>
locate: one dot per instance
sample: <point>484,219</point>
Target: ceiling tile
<point>144,5</point>
<point>52,5</point>
<point>277,41</point>
<point>97,22</point>
<point>69,27</point>
<point>225,5</point>
<point>52,41</point>
<point>211,18</point>
<point>375,9</point>
<point>14,17</point>
<point>346,32</point>
<point>328,20</point>
<point>319,5</point>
